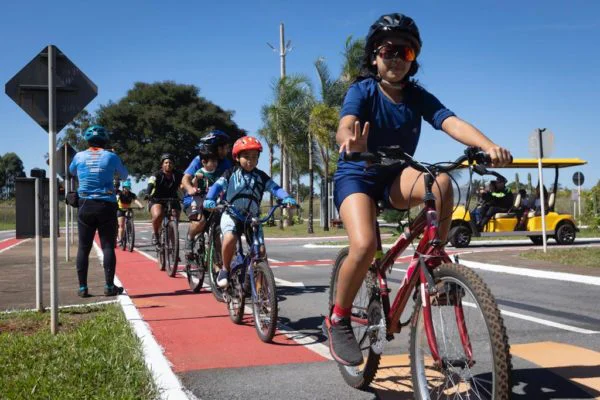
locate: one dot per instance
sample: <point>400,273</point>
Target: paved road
<point>553,325</point>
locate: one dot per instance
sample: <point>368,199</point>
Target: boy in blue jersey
<point>95,169</point>
<point>244,186</point>
<point>214,142</point>
<point>385,107</point>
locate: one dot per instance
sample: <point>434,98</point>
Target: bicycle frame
<point>428,255</point>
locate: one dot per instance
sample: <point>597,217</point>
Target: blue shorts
<point>355,177</point>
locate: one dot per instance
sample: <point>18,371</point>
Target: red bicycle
<point>458,343</point>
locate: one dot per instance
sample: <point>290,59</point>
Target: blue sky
<point>507,67</point>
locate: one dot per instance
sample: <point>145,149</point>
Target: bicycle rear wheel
<point>172,256</point>
<point>235,297</point>
<point>463,311</point>
<point>195,269</point>
<point>130,234</point>
<point>213,261</point>
<point>366,305</point>
<point>264,304</point>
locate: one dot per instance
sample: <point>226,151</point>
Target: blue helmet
<point>215,138</point>
<point>96,134</point>
<point>127,184</point>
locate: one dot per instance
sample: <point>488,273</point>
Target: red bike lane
<point>194,330</point>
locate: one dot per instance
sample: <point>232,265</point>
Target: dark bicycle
<point>250,274</point>
<point>167,249</point>
<point>206,256</point>
<point>457,341</point>
<point>128,239</point>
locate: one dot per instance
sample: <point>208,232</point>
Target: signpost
<point>52,91</point>
<point>541,143</point>
<point>578,180</point>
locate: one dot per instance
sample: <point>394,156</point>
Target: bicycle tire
<point>172,248</point>
<point>130,235</point>
<point>264,305</point>
<point>235,297</point>
<point>195,272</point>
<point>487,337</point>
<point>161,249</point>
<point>214,259</point>
<point>359,377</point>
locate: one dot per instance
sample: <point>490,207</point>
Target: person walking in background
<point>95,169</point>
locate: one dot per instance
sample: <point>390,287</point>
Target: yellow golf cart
<point>561,227</point>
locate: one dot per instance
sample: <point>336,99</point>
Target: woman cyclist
<point>95,169</point>
<point>384,107</point>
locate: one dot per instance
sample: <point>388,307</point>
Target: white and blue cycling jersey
<point>95,169</point>
<point>244,190</point>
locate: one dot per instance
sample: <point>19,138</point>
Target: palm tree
<point>353,54</point>
<point>288,116</point>
<point>270,137</point>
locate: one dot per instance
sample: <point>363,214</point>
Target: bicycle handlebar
<point>397,155</point>
<point>225,205</point>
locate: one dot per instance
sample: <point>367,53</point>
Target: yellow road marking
<point>557,355</point>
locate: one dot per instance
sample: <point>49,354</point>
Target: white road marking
<point>282,282</point>
<point>534,273</point>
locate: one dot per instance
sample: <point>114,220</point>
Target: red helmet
<point>245,143</point>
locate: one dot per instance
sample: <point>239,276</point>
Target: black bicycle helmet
<point>215,138</point>
<point>166,156</point>
<point>391,23</point>
<point>206,151</point>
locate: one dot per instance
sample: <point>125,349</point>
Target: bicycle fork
<point>427,289</point>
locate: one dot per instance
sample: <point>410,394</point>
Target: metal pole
<point>72,186</point>
<point>67,230</point>
<point>579,203</point>
<point>284,155</point>
<point>53,188</point>
<point>39,275</point>
<point>541,185</point>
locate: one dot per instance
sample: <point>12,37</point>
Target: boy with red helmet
<point>244,186</point>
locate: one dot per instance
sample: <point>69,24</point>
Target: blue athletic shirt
<point>95,169</point>
<point>393,123</point>
<point>196,164</point>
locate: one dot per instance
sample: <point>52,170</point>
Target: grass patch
<point>301,230</point>
<point>95,355</point>
<point>584,257</point>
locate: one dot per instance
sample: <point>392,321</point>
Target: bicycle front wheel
<point>264,304</point>
<point>130,235</point>
<point>366,306</point>
<point>471,339</point>
<point>195,269</point>
<point>172,256</point>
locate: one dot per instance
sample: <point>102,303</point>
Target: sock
<point>339,313</point>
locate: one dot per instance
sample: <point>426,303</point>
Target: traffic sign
<point>578,178</point>
<point>547,142</point>
<point>29,89</point>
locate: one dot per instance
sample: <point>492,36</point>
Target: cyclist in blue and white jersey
<point>95,169</point>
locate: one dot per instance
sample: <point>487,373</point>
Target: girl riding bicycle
<point>384,107</point>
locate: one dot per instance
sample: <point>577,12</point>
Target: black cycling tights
<point>101,216</point>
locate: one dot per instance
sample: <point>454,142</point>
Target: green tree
<point>353,55</point>
<point>11,167</point>
<point>161,117</point>
<point>73,131</point>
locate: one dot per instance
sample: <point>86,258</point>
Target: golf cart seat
<point>551,199</point>
<point>511,214</point>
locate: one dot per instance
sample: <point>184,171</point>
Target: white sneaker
<point>223,278</point>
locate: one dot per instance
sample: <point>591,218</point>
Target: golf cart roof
<point>546,163</point>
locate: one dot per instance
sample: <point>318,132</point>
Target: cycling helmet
<point>215,138</point>
<point>392,23</point>
<point>96,134</point>
<point>166,156</point>
<point>245,143</point>
<point>127,184</point>
<point>206,151</point>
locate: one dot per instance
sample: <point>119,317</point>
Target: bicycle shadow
<point>554,383</point>
<point>283,292</point>
<point>169,294</point>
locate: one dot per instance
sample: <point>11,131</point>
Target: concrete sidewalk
<point>17,276</point>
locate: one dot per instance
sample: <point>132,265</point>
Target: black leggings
<point>102,216</point>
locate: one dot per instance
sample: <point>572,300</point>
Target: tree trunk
<point>326,216</point>
<point>286,184</point>
<point>310,187</point>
